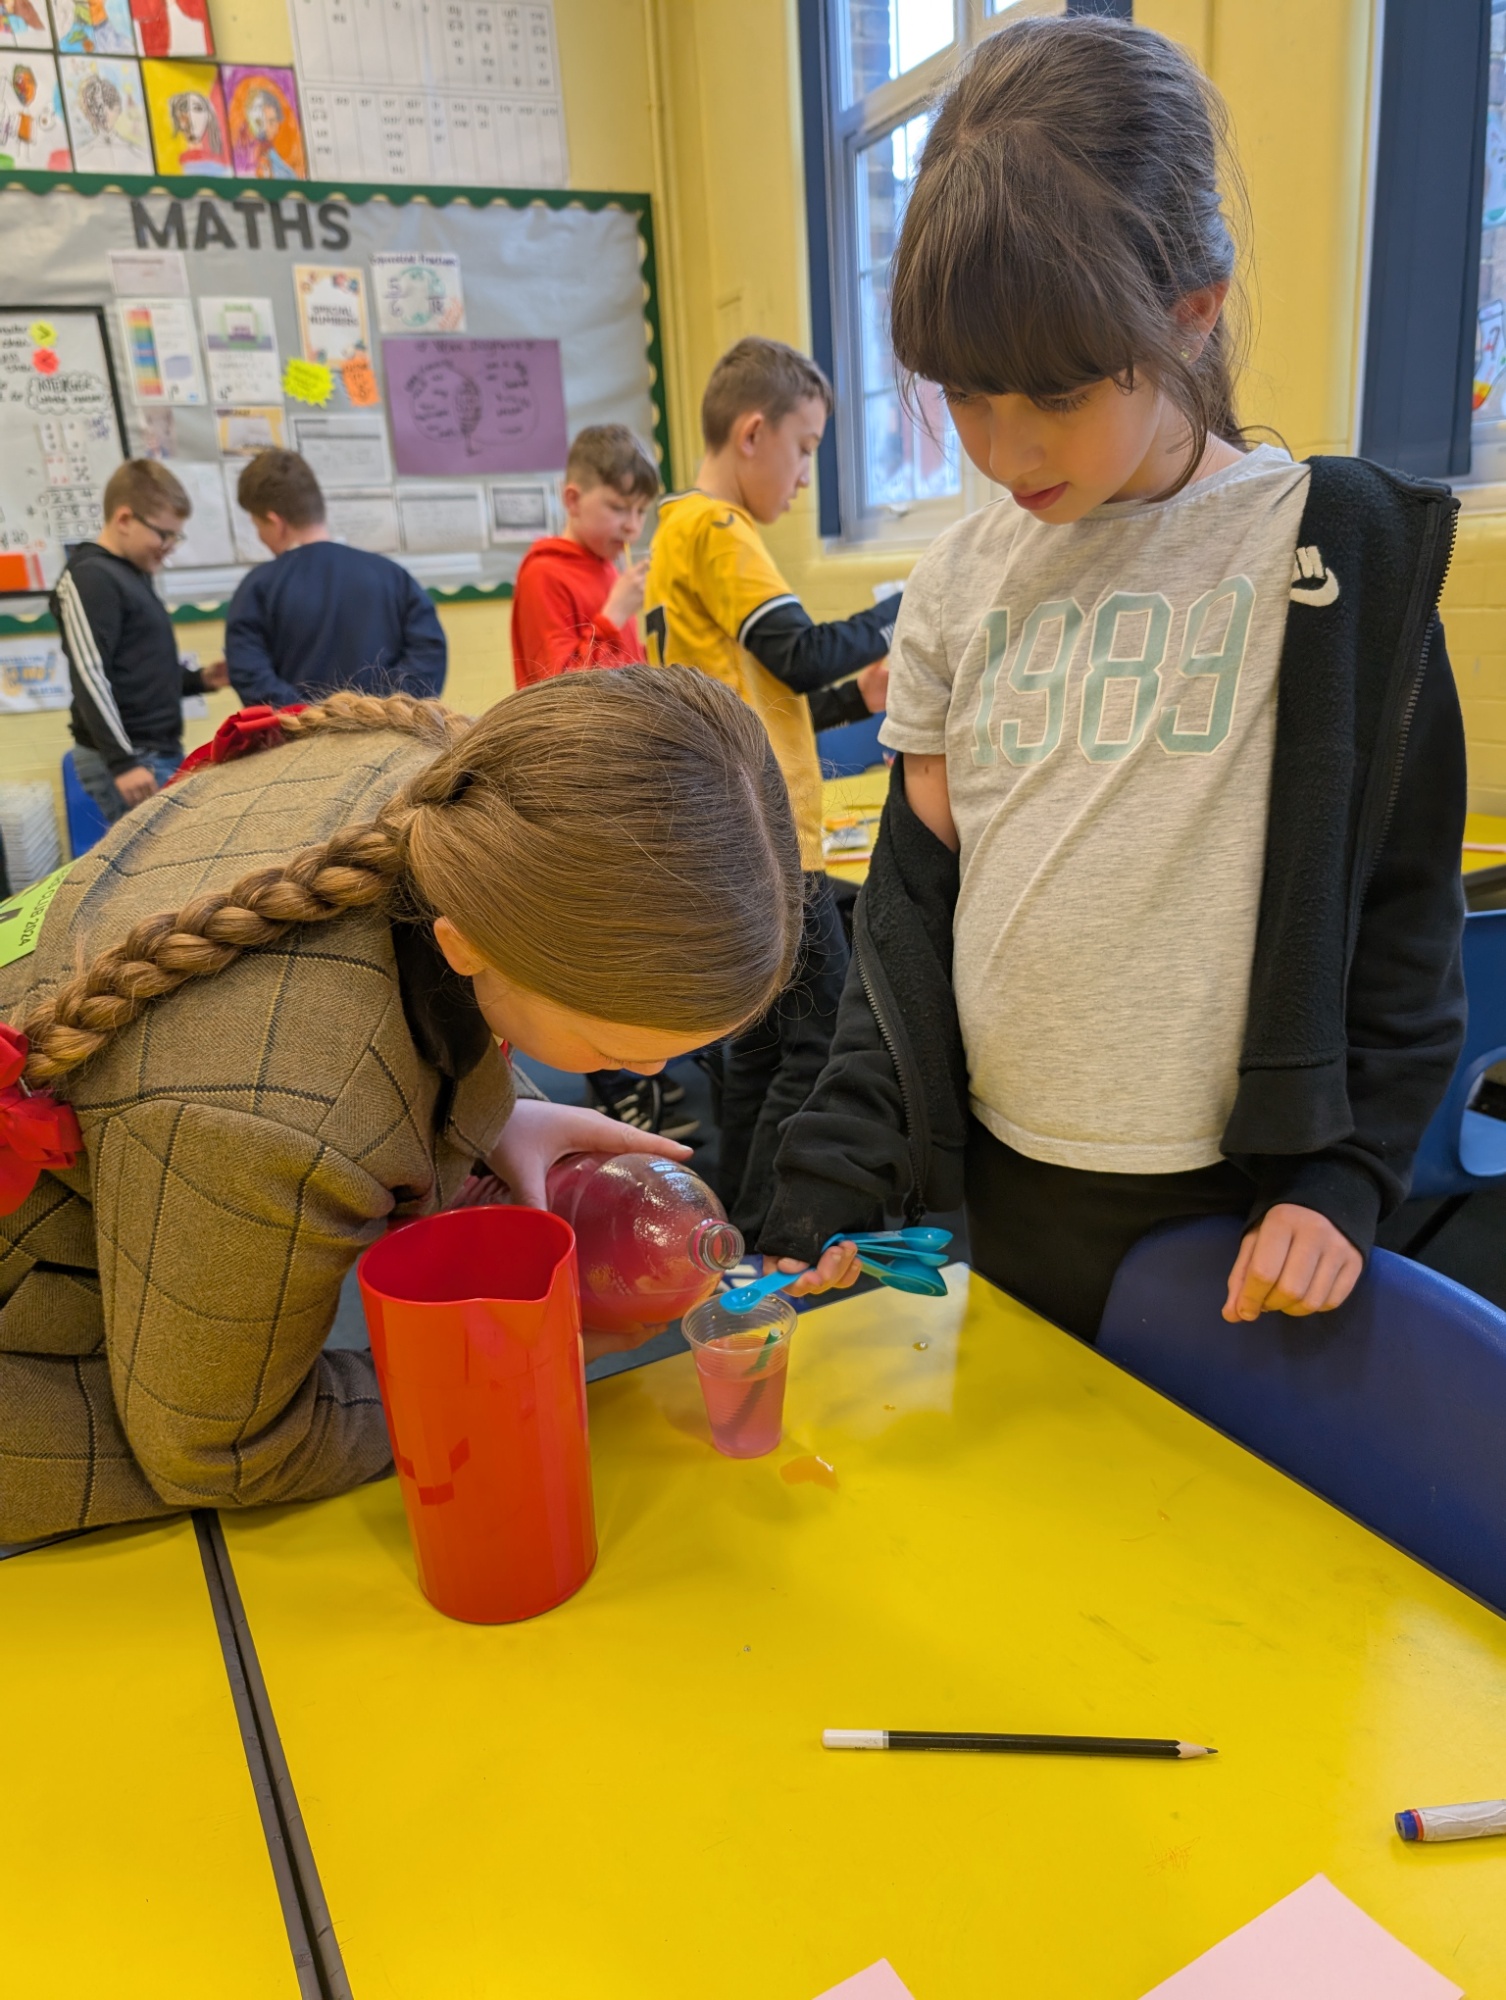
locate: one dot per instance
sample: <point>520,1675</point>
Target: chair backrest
<point>1461,1150</point>
<point>86,823</point>
<point>852,749</point>
<point>1393,1407</point>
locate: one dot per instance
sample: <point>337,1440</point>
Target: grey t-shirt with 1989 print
<point>1105,696</point>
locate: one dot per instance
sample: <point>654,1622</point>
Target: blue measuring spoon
<point>905,1275</point>
<point>908,1239</point>
<point>743,1298</point>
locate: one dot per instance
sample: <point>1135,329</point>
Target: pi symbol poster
<point>464,407</point>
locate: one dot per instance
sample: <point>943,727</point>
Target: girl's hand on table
<point>1296,1261</point>
<point>537,1134</point>
<point>836,1269</point>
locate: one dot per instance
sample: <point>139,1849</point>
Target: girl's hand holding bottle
<point>538,1134</point>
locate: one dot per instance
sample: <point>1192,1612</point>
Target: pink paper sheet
<point>1312,1945</point>
<point>877,1982</point>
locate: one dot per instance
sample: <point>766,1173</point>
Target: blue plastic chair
<point>851,749</point>
<point>1393,1407</point>
<point>86,823</point>
<point>1463,1150</point>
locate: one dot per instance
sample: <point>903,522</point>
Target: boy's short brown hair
<point>145,486</point>
<point>761,375</point>
<point>281,483</point>
<point>610,455</point>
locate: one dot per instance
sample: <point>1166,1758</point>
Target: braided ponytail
<point>353,869</point>
<point>620,842</point>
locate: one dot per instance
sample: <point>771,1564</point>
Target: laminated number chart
<point>458,93</point>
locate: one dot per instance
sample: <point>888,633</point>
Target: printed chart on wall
<point>461,92</point>
<point>60,437</point>
<point>430,359</point>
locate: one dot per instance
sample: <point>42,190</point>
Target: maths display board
<point>428,350</point>
<point>61,436</point>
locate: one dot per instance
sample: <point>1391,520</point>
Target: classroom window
<point>1488,428</point>
<point>903,461</point>
<point>888,38</point>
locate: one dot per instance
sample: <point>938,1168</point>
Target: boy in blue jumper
<point>322,616</point>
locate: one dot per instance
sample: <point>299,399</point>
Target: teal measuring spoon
<point>743,1298</point>
<point>905,1275</point>
<point>907,1239</point>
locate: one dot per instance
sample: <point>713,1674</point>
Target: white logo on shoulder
<point>1311,582</point>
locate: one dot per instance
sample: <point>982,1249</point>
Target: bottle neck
<point>715,1246</point>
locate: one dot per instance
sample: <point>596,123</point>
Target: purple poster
<point>474,406</point>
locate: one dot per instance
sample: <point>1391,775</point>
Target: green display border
<point>358,193</point>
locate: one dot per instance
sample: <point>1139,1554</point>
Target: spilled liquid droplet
<point>810,1470</point>
<point>920,1345</point>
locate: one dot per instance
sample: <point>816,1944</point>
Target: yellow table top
<point>132,1861</point>
<point>1482,830</point>
<point>863,794</point>
<point>628,1797</point>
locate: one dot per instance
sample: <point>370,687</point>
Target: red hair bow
<point>36,1132</point>
<point>249,729</point>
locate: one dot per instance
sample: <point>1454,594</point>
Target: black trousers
<point>1053,1237</point>
<point>770,1068</point>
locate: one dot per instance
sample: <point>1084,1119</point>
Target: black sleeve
<point>835,707</point>
<point>885,1127</point>
<point>807,656</point>
<point>91,614</point>
<point>1406,1009</point>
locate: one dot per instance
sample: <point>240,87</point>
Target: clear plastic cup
<point>742,1360</point>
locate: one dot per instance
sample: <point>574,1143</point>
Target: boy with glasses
<point>128,682</point>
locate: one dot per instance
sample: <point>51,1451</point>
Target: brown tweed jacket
<point>164,1303</point>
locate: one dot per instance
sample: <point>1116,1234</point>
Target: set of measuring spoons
<point>910,1260</point>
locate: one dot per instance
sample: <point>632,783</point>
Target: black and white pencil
<point>1026,1746</point>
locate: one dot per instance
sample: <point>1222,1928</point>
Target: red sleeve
<point>555,632</point>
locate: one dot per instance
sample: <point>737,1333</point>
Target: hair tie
<point>258,728</point>
<point>36,1131</point>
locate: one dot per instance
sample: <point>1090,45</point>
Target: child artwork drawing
<point>32,133</point>
<point>93,27</point>
<point>468,406</point>
<point>106,115</point>
<point>186,108</point>
<point>172,27</point>
<point>266,133</point>
<point>23,25</point>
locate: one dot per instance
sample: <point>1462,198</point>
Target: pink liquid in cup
<point>742,1362</point>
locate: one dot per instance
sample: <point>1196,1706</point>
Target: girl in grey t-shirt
<point>1084,680</point>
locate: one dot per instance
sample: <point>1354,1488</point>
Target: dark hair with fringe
<point>1068,197</point>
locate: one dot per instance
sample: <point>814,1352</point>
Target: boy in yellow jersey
<point>715,600</point>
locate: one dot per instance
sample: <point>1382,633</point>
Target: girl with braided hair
<point>275,1004</point>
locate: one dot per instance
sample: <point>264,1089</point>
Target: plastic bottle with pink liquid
<point>651,1241</point>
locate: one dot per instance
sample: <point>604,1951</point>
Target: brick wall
<point>1474,612</point>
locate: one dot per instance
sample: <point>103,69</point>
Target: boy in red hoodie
<point>572,605</point>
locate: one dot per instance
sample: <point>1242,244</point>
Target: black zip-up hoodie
<point>1356,1011</point>
<point>128,682</point>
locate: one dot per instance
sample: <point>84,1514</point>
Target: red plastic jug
<point>475,1332</point>
<point>651,1241</point>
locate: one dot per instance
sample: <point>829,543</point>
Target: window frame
<point>1428,178</point>
<point>836,134</point>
